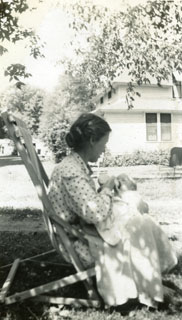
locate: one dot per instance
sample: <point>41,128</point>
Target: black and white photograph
<point>90,159</point>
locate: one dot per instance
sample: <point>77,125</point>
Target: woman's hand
<point>103,178</point>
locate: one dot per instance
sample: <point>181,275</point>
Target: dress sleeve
<point>85,201</point>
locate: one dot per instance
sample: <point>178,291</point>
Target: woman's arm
<point>85,201</point>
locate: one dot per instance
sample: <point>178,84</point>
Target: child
<point>126,204</point>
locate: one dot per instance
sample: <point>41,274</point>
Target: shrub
<point>55,138</point>
<point>136,158</point>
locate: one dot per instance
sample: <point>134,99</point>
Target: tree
<point>3,133</point>
<point>145,41</point>
<point>29,102</point>
<point>12,32</point>
<point>55,138</point>
<point>71,97</point>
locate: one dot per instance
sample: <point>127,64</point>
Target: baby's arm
<point>143,206</point>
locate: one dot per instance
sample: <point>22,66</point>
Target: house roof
<point>125,78</point>
<point>154,104</point>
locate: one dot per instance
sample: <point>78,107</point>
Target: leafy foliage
<point>136,158</point>
<point>14,71</point>
<point>3,133</point>
<point>55,137</point>
<point>12,31</point>
<point>71,97</point>
<point>143,41</point>
<point>29,102</point>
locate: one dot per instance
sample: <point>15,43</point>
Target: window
<point>151,122</point>
<point>165,121</point>
<point>109,94</point>
<point>158,126</point>
<point>101,100</point>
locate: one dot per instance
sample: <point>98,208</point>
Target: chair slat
<point>53,222</point>
<point>54,285</point>
<point>69,301</point>
<point>9,280</point>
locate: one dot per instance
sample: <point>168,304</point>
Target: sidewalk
<point>10,160</point>
<point>143,172</point>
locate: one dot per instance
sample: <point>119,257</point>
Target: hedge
<point>136,158</point>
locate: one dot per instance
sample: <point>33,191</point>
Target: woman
<point>131,269</point>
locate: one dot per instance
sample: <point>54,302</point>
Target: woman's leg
<point>167,254</point>
<point>151,254</point>
<point>132,269</point>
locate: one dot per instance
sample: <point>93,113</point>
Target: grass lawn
<point>22,234</point>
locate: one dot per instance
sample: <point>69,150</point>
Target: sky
<point>50,24</point>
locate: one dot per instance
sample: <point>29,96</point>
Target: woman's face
<point>98,147</point>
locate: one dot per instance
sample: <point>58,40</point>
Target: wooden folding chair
<point>57,229</point>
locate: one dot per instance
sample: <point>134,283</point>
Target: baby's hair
<point>87,126</point>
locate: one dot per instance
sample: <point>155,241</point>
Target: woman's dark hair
<point>88,125</point>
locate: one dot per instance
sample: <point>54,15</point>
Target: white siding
<point>177,129</point>
<point>129,127</point>
<point>128,132</point>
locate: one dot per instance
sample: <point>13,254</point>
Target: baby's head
<point>125,183</point>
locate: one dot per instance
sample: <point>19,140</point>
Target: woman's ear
<point>92,141</point>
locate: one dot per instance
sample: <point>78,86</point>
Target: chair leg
<point>9,280</point>
<point>54,285</point>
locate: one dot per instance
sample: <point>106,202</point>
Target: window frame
<point>165,125</point>
<point>150,125</point>
<point>159,126</point>
<point>109,94</point>
<point>101,100</point>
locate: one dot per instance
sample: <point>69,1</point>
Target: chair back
<point>57,228</point>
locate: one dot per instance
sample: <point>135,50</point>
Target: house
<point>7,148</point>
<point>42,150</point>
<point>154,123</point>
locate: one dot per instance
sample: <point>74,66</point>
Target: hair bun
<point>87,126</point>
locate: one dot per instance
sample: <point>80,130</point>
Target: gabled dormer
<point>151,96</point>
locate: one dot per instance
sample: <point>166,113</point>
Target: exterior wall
<point>177,129</point>
<point>41,149</point>
<point>152,98</point>
<point>129,133</point>
<point>129,126</point>
<point>6,147</point>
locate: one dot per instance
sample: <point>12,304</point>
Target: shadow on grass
<point>51,267</point>
<point>20,214</point>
